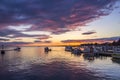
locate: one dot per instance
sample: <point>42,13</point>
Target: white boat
<point>76,51</point>
<point>91,49</point>
<point>68,48</point>
<point>116,53</point>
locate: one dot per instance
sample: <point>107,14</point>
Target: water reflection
<point>116,61</point>
<point>32,63</point>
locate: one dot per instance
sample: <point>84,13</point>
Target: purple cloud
<point>17,35</point>
<point>38,41</point>
<point>18,39</point>
<point>41,37</point>
<point>89,33</point>
<point>4,39</point>
<point>47,41</point>
<point>92,40</point>
<point>14,43</point>
<point>49,15</point>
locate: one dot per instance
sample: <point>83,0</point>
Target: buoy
<point>2,52</point>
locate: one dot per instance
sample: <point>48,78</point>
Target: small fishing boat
<point>68,48</point>
<point>116,53</point>
<point>2,51</point>
<point>46,49</point>
<point>76,51</point>
<point>17,49</point>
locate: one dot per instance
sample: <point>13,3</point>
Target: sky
<point>58,22</point>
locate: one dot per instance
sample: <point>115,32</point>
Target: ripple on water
<point>56,65</point>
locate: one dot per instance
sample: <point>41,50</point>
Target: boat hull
<point>116,55</point>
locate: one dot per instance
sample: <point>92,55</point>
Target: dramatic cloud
<point>14,43</point>
<point>41,37</point>
<point>4,39</point>
<point>18,39</point>
<point>17,35</point>
<point>38,41</point>
<point>49,15</point>
<point>89,33</point>
<point>6,32</point>
<point>92,40</point>
<point>10,33</point>
<point>47,41</point>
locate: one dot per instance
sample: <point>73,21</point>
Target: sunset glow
<point>64,22</point>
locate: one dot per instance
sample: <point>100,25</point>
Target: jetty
<point>113,51</point>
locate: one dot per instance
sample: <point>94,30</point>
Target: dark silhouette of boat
<point>17,49</point>
<point>46,49</point>
<point>2,51</point>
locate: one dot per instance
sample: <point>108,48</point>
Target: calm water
<point>32,63</point>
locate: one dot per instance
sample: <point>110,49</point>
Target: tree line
<point>114,43</point>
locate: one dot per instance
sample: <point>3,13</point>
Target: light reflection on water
<point>32,63</point>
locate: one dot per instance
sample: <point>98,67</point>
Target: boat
<point>46,49</point>
<point>88,49</point>
<point>17,49</point>
<point>116,53</point>
<point>68,48</point>
<point>116,60</point>
<point>2,51</point>
<point>76,51</point>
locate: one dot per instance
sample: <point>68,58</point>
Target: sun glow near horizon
<point>94,21</point>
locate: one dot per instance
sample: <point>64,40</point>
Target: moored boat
<point>46,49</point>
<point>17,49</point>
<point>76,51</point>
<point>2,51</point>
<point>116,53</point>
<point>68,48</point>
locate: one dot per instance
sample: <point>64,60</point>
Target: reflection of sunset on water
<point>59,39</point>
<point>35,63</point>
